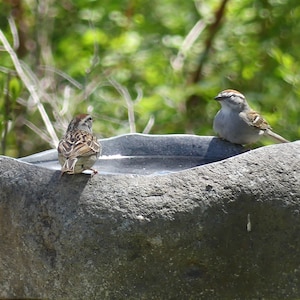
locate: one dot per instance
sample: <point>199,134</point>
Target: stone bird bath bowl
<point>167,217</point>
<point>150,154</point>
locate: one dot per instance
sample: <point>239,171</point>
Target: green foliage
<point>71,51</point>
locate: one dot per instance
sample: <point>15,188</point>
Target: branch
<point>31,88</point>
<point>213,28</point>
<point>188,42</point>
<point>129,103</point>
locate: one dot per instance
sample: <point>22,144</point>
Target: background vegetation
<point>143,66</point>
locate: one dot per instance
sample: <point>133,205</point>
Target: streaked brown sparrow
<point>78,150</point>
<point>237,123</point>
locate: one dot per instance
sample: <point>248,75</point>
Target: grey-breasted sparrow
<point>78,150</point>
<point>237,123</point>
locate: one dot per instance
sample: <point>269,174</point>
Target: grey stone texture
<point>223,230</point>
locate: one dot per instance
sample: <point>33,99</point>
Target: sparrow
<point>78,150</point>
<point>237,123</point>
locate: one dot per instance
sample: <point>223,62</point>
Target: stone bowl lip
<point>161,135</point>
<point>149,154</point>
<point>193,145</point>
<point>202,150</point>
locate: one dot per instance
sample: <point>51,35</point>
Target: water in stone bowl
<point>145,154</point>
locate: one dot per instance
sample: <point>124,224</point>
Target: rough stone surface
<point>225,230</point>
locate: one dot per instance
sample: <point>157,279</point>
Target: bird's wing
<point>256,120</point>
<point>78,143</point>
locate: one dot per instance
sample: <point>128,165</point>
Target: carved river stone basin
<point>144,154</point>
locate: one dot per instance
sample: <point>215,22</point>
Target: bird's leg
<point>94,172</point>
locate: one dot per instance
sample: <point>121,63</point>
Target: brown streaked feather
<point>78,143</point>
<point>69,165</point>
<point>257,120</point>
<point>78,150</point>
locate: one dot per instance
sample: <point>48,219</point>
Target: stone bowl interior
<point>145,154</point>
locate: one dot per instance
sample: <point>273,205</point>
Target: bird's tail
<point>69,166</point>
<point>276,136</point>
